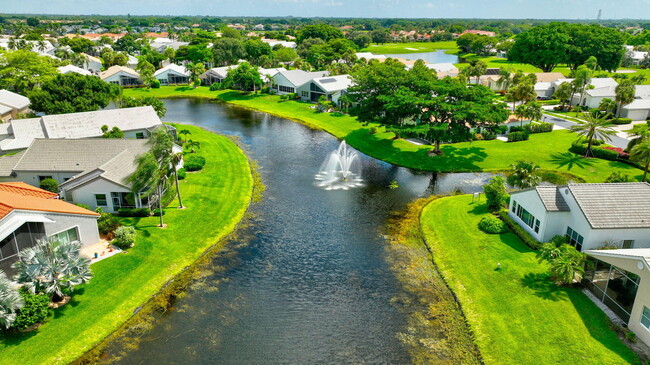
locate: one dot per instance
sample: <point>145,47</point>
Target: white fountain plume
<point>340,170</point>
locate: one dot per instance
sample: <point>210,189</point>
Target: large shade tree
<point>21,71</point>
<point>70,93</point>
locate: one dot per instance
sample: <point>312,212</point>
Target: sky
<point>536,9</point>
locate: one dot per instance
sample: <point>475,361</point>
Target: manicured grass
<point>496,62</point>
<point>517,314</point>
<point>216,200</point>
<point>411,47</point>
<point>549,150</point>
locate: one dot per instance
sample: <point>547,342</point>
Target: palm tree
<point>607,105</point>
<point>594,127</point>
<point>567,265</point>
<point>10,301</point>
<point>533,111</point>
<point>505,79</point>
<point>520,113</point>
<point>192,144</point>
<point>624,94</point>
<point>185,132</point>
<point>52,265</point>
<point>42,46</point>
<point>564,93</point>
<point>640,154</point>
<point>12,44</point>
<point>523,175</point>
<point>195,70</point>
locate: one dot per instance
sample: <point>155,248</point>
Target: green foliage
<point>640,154</point>
<point>216,86</point>
<point>517,136</point>
<point>323,31</point>
<point>597,152</point>
<point>182,173</point>
<point>533,128</point>
<point>10,301</point>
<point>157,104</point>
<point>71,93</point>
<point>21,71</point>
<point>155,84</point>
<point>83,206</point>
<point>495,194</point>
<point>124,237</point>
<point>107,222</point>
<point>244,77</point>
<point>133,212</point>
<point>194,162</point>
<point>630,336</point>
<point>619,121</point>
<point>618,177</point>
<point>492,225</point>
<point>50,185</point>
<point>566,263</point>
<point>227,51</point>
<point>523,174</point>
<point>35,310</point>
<point>114,133</point>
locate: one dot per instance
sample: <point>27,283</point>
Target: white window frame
<point>76,227</point>
<point>105,199</point>
<point>647,316</point>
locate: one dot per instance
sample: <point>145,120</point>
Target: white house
<point>591,215</point>
<point>121,75</point>
<point>73,69</point>
<point>444,69</point>
<point>275,42</point>
<point>136,123</point>
<point>92,64</point>
<point>295,81</point>
<point>370,56</point>
<point>621,280</point>
<point>132,61</point>
<point>172,75</point>
<point>639,109</point>
<point>597,90</point>
<point>216,74</point>
<point>30,213</point>
<point>332,87</point>
<point>12,104</point>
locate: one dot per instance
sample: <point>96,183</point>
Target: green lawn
<point>517,314</point>
<point>497,62</point>
<point>216,201</point>
<point>411,47</point>
<point>549,150</point>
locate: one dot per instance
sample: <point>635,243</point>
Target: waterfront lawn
<point>518,316</point>
<point>411,47</point>
<point>549,150</point>
<point>216,200</point>
<point>498,62</point>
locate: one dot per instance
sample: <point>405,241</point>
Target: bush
<point>124,237</point>
<point>495,193</point>
<point>617,177</point>
<point>517,136</point>
<point>50,185</point>
<point>619,121</point>
<point>516,128</point>
<point>133,212</point>
<point>539,128</point>
<point>107,223</point>
<point>597,152</point>
<point>524,236</point>
<point>155,84</point>
<point>182,173</point>
<point>36,310</point>
<point>492,225</point>
<point>488,136</point>
<point>215,86</point>
<point>620,151</point>
<point>156,212</point>
<point>194,162</point>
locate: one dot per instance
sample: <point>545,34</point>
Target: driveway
<point>617,140</point>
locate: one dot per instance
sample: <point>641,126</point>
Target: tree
<point>380,36</point>
<point>157,104</point>
<point>543,46</point>
<point>607,105</point>
<point>523,92</point>
<point>185,133</point>
<point>195,70</point>
<point>520,112</point>
<point>594,127</point>
<point>285,55</point>
<point>146,71</point>
<point>33,22</point>
<point>127,44</point>
<point>465,41</point>
<point>10,301</point>
<point>638,79</point>
<point>227,51</point>
<point>625,92</point>
<point>52,265</point>
<point>505,79</point>
<point>72,93</point>
<point>362,40</point>
<point>582,78</point>
<point>564,260</point>
<point>322,31</point>
<point>495,193</point>
<point>21,71</point>
<point>533,111</point>
<point>523,174</point>
<point>114,133</point>
<point>477,69</point>
<point>564,92</point>
<point>245,77</point>
<point>255,49</point>
<point>640,154</point>
<point>50,185</point>
<point>192,145</point>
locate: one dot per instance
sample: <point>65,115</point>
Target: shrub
<point>372,130</point>
<point>495,193</point>
<point>620,151</point>
<point>36,310</point>
<point>155,84</point>
<point>597,152</point>
<point>50,185</point>
<point>488,136</point>
<point>539,128</point>
<point>516,128</point>
<point>617,177</point>
<point>107,223</point>
<point>156,212</point>
<point>517,136</point>
<point>524,236</point>
<point>124,237</point>
<point>492,225</point>
<point>194,162</point>
<point>182,173</point>
<point>619,121</point>
<point>133,212</point>
<point>630,336</point>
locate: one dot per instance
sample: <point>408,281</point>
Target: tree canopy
<point>21,70</point>
<point>72,93</point>
<point>322,31</point>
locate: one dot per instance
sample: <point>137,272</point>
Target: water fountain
<point>341,170</point>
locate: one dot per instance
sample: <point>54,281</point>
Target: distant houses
<point>295,81</point>
<point>12,104</point>
<point>172,75</point>
<point>120,75</point>
<point>73,69</point>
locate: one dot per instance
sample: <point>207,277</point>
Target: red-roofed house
<point>28,213</point>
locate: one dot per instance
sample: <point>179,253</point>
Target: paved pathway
<point>617,140</point>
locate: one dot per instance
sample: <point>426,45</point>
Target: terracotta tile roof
<point>22,196</point>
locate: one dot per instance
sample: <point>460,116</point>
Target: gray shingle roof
<point>300,77</point>
<point>552,198</point>
<point>622,205</point>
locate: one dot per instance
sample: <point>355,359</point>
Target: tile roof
<point>173,67</point>
<point>117,69</point>
<point>13,100</point>
<point>72,68</point>
<point>620,205</point>
<point>334,83</point>
<point>22,196</point>
<point>300,77</point>
<point>552,198</point>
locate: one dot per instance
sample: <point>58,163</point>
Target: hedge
<point>133,212</point>
<point>492,225</point>
<point>539,128</point>
<point>619,121</point>
<point>520,232</point>
<point>597,152</point>
<point>517,136</point>
<point>194,162</point>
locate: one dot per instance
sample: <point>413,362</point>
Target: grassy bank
<point>216,200</point>
<point>411,47</point>
<point>517,314</point>
<point>549,150</point>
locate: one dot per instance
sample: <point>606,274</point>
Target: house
<point>639,109</point>
<point>12,104</point>
<point>172,75</point>
<point>275,42</point>
<point>332,87</point>
<point>480,32</point>
<point>89,171</point>
<point>160,46</point>
<point>597,90</point>
<point>443,69</point>
<point>134,122</point>
<point>132,61</point>
<point>216,74</point>
<point>28,214</point>
<point>74,69</point>
<point>620,279</point>
<point>590,215</point>
<point>295,81</point>
<point>369,56</point>
<point>121,75</point>
<point>92,64</point>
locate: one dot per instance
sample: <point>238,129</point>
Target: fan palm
<point>193,144</point>
<point>640,154</point>
<point>594,127</point>
<point>505,79</point>
<point>52,265</point>
<point>625,92</point>
<point>523,174</point>
<point>10,300</point>
<point>185,132</point>
<point>569,264</point>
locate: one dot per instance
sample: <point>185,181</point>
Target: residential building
<point>275,42</point>
<point>172,75</point>
<point>639,109</point>
<point>28,214</point>
<point>92,64</point>
<point>295,81</point>
<point>590,215</point>
<point>12,104</point>
<point>480,32</point>
<point>332,87</point>
<point>73,69</point>
<point>597,90</point>
<point>370,56</point>
<point>443,69</point>
<point>135,122</point>
<point>216,74</point>
<point>121,75</point>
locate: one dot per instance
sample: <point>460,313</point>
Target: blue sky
<point>539,9</point>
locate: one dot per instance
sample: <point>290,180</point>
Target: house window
<point>101,200</point>
<point>286,89</point>
<point>526,217</point>
<point>575,239</point>
<point>41,178</point>
<point>139,135</point>
<point>628,243</point>
<point>514,206</point>
<point>70,235</point>
<point>274,86</point>
<point>536,225</point>
<point>305,94</point>
<point>645,317</point>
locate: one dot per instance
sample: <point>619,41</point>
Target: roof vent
<point>566,191</point>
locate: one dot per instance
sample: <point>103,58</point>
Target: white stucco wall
<point>280,80</point>
<point>86,226</point>
<point>85,194</point>
<point>530,201</point>
<point>635,114</point>
<point>31,177</point>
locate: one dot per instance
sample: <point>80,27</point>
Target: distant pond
<point>438,56</point>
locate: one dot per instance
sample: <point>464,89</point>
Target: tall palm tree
<point>520,113</point>
<point>564,93</point>
<point>195,70</point>
<point>594,127</point>
<point>10,301</point>
<point>533,111</point>
<point>524,175</point>
<point>625,92</point>
<point>640,154</point>
<point>52,265</point>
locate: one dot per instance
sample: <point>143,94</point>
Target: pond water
<point>307,282</point>
<point>437,56</point>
